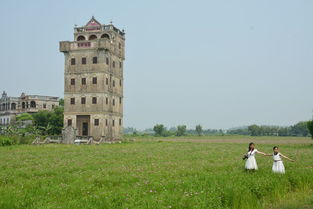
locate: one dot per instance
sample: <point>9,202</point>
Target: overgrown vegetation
<point>49,123</point>
<point>5,141</point>
<point>28,126</point>
<point>24,117</point>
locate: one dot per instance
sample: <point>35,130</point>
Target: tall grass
<point>6,140</point>
<point>151,175</point>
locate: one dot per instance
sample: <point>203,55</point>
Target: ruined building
<point>93,80</point>
<point>12,106</point>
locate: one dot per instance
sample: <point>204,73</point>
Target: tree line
<point>304,128</point>
<point>299,129</point>
<point>180,130</point>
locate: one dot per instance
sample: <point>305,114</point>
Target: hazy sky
<point>216,63</point>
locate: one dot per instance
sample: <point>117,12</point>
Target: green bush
<point>6,141</point>
<point>16,139</point>
<point>24,139</point>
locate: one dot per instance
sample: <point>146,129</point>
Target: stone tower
<point>93,80</point>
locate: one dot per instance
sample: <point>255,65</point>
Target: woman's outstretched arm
<point>286,157</point>
<point>262,153</point>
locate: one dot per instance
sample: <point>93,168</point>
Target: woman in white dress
<point>278,165</point>
<point>251,164</point>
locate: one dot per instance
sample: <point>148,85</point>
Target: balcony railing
<point>66,46</point>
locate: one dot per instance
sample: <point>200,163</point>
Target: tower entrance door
<point>83,125</point>
<point>85,129</point>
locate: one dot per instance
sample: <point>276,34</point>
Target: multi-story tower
<point>93,78</point>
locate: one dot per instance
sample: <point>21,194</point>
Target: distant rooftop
<point>23,95</point>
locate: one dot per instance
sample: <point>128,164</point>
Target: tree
<point>254,130</point>
<point>300,129</point>
<point>45,130</point>
<point>181,130</point>
<point>11,130</point>
<point>283,131</point>
<point>41,118</point>
<point>49,122</point>
<point>33,130</point>
<point>61,102</point>
<point>56,121</point>
<point>310,127</point>
<point>239,131</point>
<point>24,117</point>
<point>199,130</point>
<point>159,129</point>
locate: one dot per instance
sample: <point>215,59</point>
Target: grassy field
<point>184,172</point>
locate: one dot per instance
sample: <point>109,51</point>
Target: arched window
<point>105,36</point>
<point>81,38</point>
<point>92,37</point>
<point>23,105</point>
<point>13,106</point>
<point>33,104</point>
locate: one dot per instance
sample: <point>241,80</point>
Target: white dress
<point>251,162</point>
<point>278,165</point>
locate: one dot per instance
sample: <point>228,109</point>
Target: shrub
<point>16,139</point>
<point>6,141</point>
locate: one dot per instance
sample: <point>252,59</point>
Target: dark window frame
<point>94,60</point>
<point>94,80</point>
<point>96,122</point>
<point>94,100</point>
<point>73,61</point>
<point>72,81</point>
<point>72,102</point>
<point>84,81</point>
<point>69,122</point>
<point>83,100</point>
<point>84,60</point>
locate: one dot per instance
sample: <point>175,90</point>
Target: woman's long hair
<point>249,149</point>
